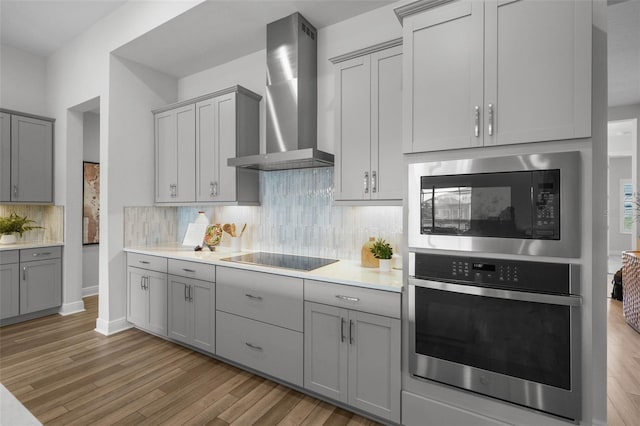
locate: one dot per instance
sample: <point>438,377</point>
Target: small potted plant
<point>13,224</point>
<point>382,250</point>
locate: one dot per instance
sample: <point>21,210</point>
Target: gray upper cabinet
<point>494,73</point>
<point>369,125</point>
<point>26,158</point>
<point>175,155</point>
<point>195,138</point>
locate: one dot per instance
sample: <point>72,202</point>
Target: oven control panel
<point>504,273</point>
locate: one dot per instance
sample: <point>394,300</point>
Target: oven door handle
<point>549,299</point>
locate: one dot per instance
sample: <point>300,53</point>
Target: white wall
<point>90,152</point>
<point>22,81</point>
<point>75,74</point>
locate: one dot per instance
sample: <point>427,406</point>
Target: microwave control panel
<point>545,188</point>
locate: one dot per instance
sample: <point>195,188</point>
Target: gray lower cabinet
<point>30,281</point>
<point>9,284</point>
<point>353,357</point>
<point>192,312</point>
<point>147,293</point>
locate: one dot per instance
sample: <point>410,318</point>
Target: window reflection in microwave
<point>467,210</point>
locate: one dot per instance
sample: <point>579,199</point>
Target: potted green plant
<point>382,251</point>
<point>12,224</point>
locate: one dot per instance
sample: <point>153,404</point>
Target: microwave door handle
<point>549,299</point>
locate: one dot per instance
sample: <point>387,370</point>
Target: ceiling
<point>218,31</point>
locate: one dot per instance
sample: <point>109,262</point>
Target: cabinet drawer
<point>144,261</point>
<point>9,257</point>
<point>379,302</point>
<point>274,299</point>
<point>42,253</point>
<point>198,271</point>
<point>272,350</point>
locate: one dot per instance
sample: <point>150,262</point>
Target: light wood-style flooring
<point>623,369</point>
<point>65,373</point>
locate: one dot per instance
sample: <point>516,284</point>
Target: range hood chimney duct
<point>291,99</point>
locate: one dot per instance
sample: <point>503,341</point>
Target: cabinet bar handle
<point>374,182</point>
<point>15,190</point>
<point>24,273</point>
<point>190,294</point>
<point>144,262</point>
<point>46,253</point>
<point>257,348</point>
<point>366,182</point>
<point>251,296</point>
<point>490,119</point>
<point>142,282</point>
<point>476,120</point>
<point>146,282</point>
<point>186,298</point>
<point>347,298</point>
<point>188,270</point>
<point>342,321</point>
<point>213,189</point>
<point>351,338</point>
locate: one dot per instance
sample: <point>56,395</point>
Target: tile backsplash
<point>296,216</point>
<point>49,217</point>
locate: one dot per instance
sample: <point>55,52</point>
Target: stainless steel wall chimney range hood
<point>291,98</point>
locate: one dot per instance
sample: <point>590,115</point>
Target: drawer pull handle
<point>252,297</point>
<point>144,262</point>
<point>252,346</point>
<point>188,270</point>
<point>347,298</point>
<point>46,253</point>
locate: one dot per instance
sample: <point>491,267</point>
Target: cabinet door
<point>9,290</point>
<point>353,127</point>
<point>5,157</point>
<point>538,70</point>
<point>179,309</point>
<point>175,155</point>
<point>207,152</point>
<point>225,136</point>
<point>443,77</point>
<point>31,160</point>
<point>374,364</point>
<point>203,311</point>
<point>41,285</point>
<point>326,350</point>
<point>136,296</point>
<point>156,320</point>
<point>386,129</point>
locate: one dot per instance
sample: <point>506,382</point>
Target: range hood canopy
<point>291,96</point>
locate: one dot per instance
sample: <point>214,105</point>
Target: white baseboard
<point>597,422</point>
<point>112,327</point>
<point>71,308</point>
<point>90,291</point>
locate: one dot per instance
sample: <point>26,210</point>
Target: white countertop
<point>21,246</point>
<point>342,272</point>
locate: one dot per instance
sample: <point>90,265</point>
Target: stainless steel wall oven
<point>508,329</point>
<point>524,204</point>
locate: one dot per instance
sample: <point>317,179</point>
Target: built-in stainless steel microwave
<point>524,204</point>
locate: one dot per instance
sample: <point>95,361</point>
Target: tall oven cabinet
<point>493,73</point>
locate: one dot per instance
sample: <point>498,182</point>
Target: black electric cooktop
<point>286,261</point>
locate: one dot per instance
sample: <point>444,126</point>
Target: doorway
<point>622,142</point>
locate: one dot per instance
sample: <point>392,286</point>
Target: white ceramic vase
<point>385,265</point>
<point>8,239</point>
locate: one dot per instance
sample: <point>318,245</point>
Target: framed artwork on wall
<point>90,203</point>
<point>626,221</point>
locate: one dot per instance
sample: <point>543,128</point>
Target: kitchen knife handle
<point>342,321</point>
<point>490,119</point>
<point>476,120</point>
<point>366,182</point>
